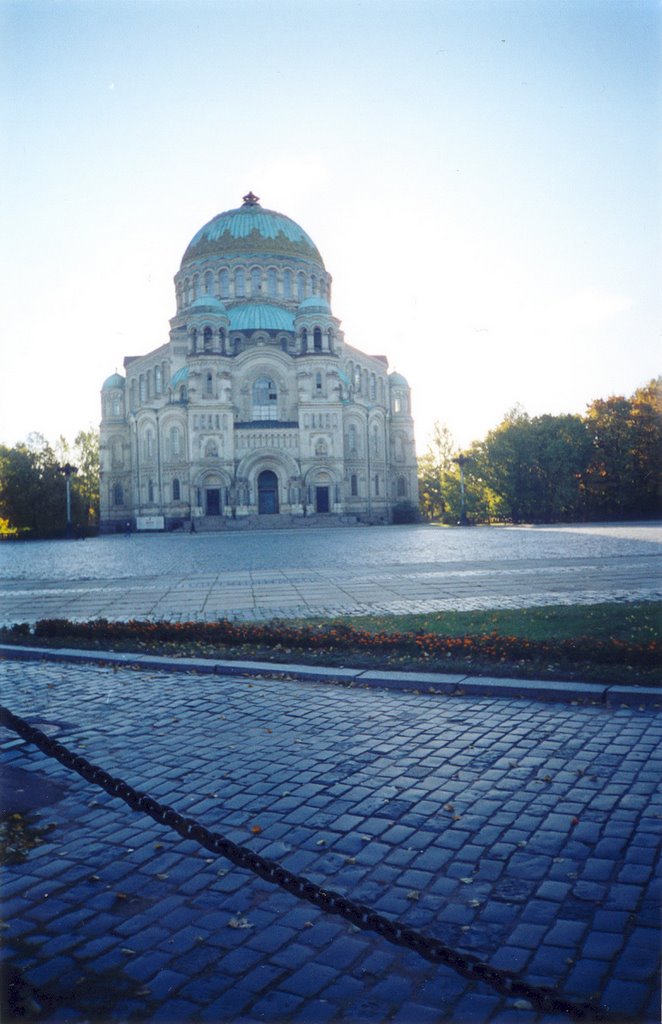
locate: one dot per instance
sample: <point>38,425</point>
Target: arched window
<point>287,284</point>
<point>194,338</point>
<point>271,283</point>
<point>256,281</point>
<point>116,405</point>
<point>397,404</point>
<point>304,339</point>
<point>373,387</point>
<point>301,286</point>
<point>239,283</point>
<point>357,379</point>
<point>375,439</point>
<point>265,400</point>
<point>376,486</point>
<point>209,384</point>
<point>118,494</point>
<point>317,339</point>
<point>150,490</point>
<point>313,284</point>
<point>176,490</point>
<point>196,286</point>
<point>134,403</point>
<point>187,292</point>
<point>353,485</point>
<point>209,283</point>
<point>149,444</point>
<point>183,393</point>
<point>207,334</point>
<point>351,440</point>
<point>143,390</point>
<point>318,382</point>
<point>224,282</point>
<point>175,442</point>
<point>158,380</point>
<point>401,490</point>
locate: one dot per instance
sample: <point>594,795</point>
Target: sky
<point>481,177</point>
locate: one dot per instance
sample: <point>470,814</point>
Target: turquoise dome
<point>398,380</point>
<point>207,304</point>
<point>254,316</point>
<point>250,229</point>
<point>316,303</point>
<point>114,381</point>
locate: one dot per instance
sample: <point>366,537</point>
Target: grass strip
<point>610,643</point>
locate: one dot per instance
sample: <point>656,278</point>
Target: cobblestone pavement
<point>329,572</point>
<point>523,832</point>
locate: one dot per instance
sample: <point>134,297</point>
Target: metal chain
<point>505,982</point>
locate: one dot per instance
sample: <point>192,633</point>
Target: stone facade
<point>256,406</point>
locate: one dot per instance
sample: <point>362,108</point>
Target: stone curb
<point>418,682</point>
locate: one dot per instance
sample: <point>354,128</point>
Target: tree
<point>86,488</point>
<point>535,466</point>
<point>32,490</point>
<point>33,487</point>
<point>622,476</point>
<point>434,470</point>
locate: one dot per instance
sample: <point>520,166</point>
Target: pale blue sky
<point>481,178</point>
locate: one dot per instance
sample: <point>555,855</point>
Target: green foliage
<point>607,463</point>
<point>624,474</point>
<point>33,487</point>
<point>535,466</point>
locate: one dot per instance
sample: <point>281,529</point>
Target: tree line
<point>33,493</point>
<point>606,464</point>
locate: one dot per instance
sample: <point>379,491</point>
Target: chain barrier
<point>471,967</point>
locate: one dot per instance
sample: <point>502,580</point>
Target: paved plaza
<point>352,571</point>
<point>522,831</point>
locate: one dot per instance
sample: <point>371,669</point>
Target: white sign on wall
<point>150,523</point>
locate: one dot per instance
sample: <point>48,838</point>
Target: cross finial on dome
<point>251,200</point>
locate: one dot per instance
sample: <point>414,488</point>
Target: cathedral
<point>256,411</point>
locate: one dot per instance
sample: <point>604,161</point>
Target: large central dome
<point>249,230</point>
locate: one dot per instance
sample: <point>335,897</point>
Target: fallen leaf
<point>256,829</point>
<point>239,922</point>
<point>413,894</point>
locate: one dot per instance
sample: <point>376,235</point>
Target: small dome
<point>397,380</point>
<point>314,303</point>
<point>255,316</point>
<point>114,381</point>
<point>207,304</point>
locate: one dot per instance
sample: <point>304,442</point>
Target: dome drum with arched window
<point>255,406</point>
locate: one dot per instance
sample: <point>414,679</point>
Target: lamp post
<point>462,460</point>
<point>68,470</point>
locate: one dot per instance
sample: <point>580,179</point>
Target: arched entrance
<point>267,493</point>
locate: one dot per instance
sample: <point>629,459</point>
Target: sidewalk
<point>520,829</point>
